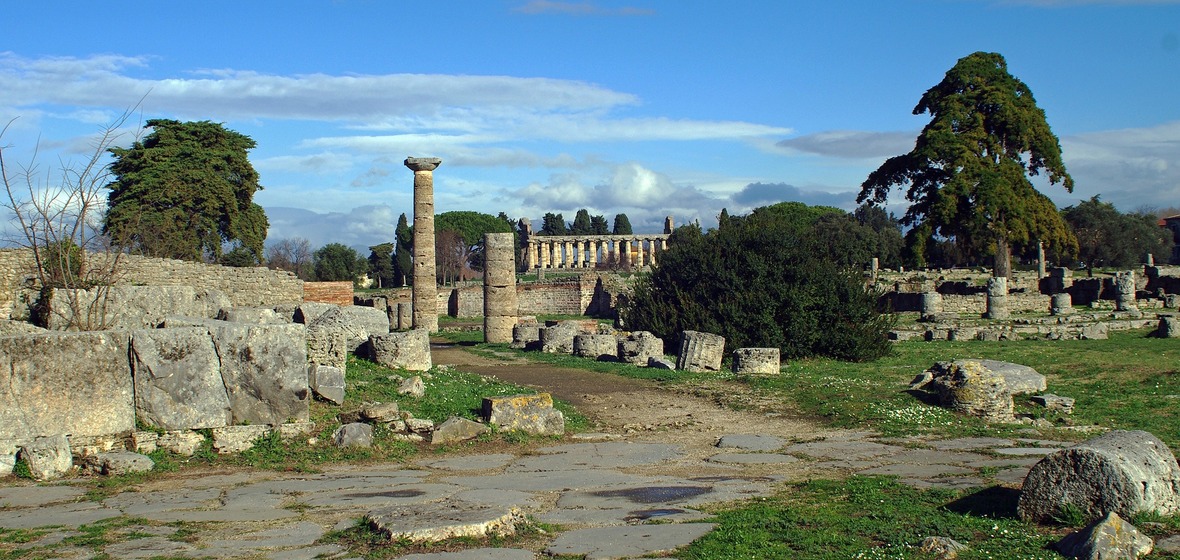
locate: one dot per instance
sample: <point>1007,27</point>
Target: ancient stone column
<point>874,267</point>
<point>425,290</point>
<point>1150,260</point>
<point>531,258</point>
<point>546,254</point>
<point>500,306</point>
<point>931,305</point>
<point>1124,291</point>
<point>594,245</point>
<point>1061,304</point>
<point>639,252</point>
<point>651,252</point>
<point>1040,259</point>
<point>580,254</point>
<point>700,351</point>
<point>567,258</point>
<point>997,298</point>
<point>669,225</point>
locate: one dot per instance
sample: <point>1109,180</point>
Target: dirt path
<point>693,416</point>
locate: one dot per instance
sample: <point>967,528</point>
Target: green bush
<point>762,280</point>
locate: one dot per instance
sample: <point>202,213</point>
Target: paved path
<point>601,487</point>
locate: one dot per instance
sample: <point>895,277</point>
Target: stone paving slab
<point>33,496</point>
<point>753,458</point>
<point>844,450</point>
<point>1025,451</point>
<point>605,455</point>
<point>609,543</point>
<point>933,470</point>
<point>967,444</point>
<point>470,462</point>
<point>475,554</point>
<point>450,519</point>
<point>751,442</point>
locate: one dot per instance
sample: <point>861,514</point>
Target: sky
<point>645,107</point>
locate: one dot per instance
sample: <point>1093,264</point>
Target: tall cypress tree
<point>403,257</point>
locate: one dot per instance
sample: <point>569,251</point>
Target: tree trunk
<point>1002,266</point>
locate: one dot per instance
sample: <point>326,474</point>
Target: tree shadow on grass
<point>995,502</point>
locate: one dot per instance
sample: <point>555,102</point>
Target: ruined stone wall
<point>247,286</point>
<point>562,296</point>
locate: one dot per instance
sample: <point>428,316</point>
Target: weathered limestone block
<point>533,414</point>
<point>559,338</point>
<point>997,298</point>
<point>526,335</point>
<point>1061,304</point>
<point>451,519</point>
<point>260,315</point>
<point>457,429</point>
<point>381,413</point>
<point>117,462</point>
<point>500,305</point>
<point>1096,331</point>
<point>640,347</point>
<point>419,425</point>
<point>1109,537</point>
<point>181,442</point>
<point>1053,402</point>
<point>355,434</point>
<point>1169,326</point>
<point>178,383</point>
<point>309,311</point>
<point>326,382</point>
<point>76,383</point>
<point>264,368</point>
<point>967,387</point>
<point>236,439</point>
<point>133,307</point>
<point>700,351</point>
<point>500,329</point>
<point>8,449</point>
<point>413,386</point>
<point>1127,472</point>
<point>355,322</point>
<point>660,363</point>
<point>1020,379</point>
<point>405,316</point>
<point>756,360</point>
<point>406,350</point>
<point>48,457</point>
<point>327,347</point>
<point>596,346</point>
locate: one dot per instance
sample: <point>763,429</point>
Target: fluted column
<point>568,259</point>
<point>651,257</point>
<point>545,254</point>
<point>500,306</point>
<point>639,252</point>
<point>531,258</point>
<point>424,295</point>
<point>594,244</point>
<point>579,253</point>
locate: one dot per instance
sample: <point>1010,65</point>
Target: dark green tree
<point>968,173</point>
<point>598,225</point>
<point>403,264</point>
<point>553,224</point>
<point>1109,238</point>
<point>888,241</point>
<point>622,225</point>
<point>184,191</point>
<point>743,282</point>
<point>464,250</point>
<point>582,225</point>
<point>381,264</point>
<point>723,219</point>
<point>336,262</point>
<point>239,256</point>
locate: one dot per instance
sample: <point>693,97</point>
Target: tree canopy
<point>553,224</point>
<point>1109,238</point>
<point>968,173</point>
<point>336,262</point>
<point>743,282</point>
<point>185,191</point>
<point>403,258</point>
<point>459,240</point>
<point>622,225</point>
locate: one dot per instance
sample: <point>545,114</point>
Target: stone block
<point>353,435</point>
<point>236,439</point>
<point>700,352</point>
<point>413,386</point>
<point>117,463</point>
<point>381,413</point>
<point>1096,331</point>
<point>533,414</point>
<point>408,350</point>
<point>405,316</point>
<point>264,368</point>
<point>1169,327</point>
<point>356,323</point>
<point>596,346</point>
<point>640,347</point>
<point>525,335</point>
<point>1061,304</point>
<point>48,457</point>
<point>1127,472</point>
<point>257,315</point>
<point>756,360</point>
<point>309,311</point>
<point>498,330</point>
<point>326,382</point>
<point>8,449</point>
<point>133,307</point>
<point>1108,537</point>
<point>1020,379</point>
<point>76,383</point>
<point>457,429</point>
<point>328,347</point>
<point>559,338</point>
<point>967,387</point>
<point>178,383</point>
<point>181,442</point>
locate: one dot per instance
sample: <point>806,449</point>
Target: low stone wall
<point>246,286</point>
<point>589,294</point>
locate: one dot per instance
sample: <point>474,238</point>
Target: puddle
<point>656,494</point>
<point>389,494</point>
<point>645,514</point>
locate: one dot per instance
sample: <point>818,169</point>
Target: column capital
<point>423,163</point>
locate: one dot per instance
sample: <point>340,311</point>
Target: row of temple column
<point>588,251</point>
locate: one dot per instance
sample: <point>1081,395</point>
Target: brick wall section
<point>338,293</point>
<point>247,286</point>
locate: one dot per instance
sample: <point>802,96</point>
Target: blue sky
<point>651,108</point>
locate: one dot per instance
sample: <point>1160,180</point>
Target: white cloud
<point>857,144</point>
<point>1129,167</point>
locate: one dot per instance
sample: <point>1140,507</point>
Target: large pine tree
<point>968,173</point>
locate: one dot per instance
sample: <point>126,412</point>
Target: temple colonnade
<point>587,251</point>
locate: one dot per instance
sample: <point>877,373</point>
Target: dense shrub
<point>763,280</point>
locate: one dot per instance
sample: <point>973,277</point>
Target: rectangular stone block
<point>65,383</point>
<point>529,413</point>
<point>178,382</point>
<point>264,368</point>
